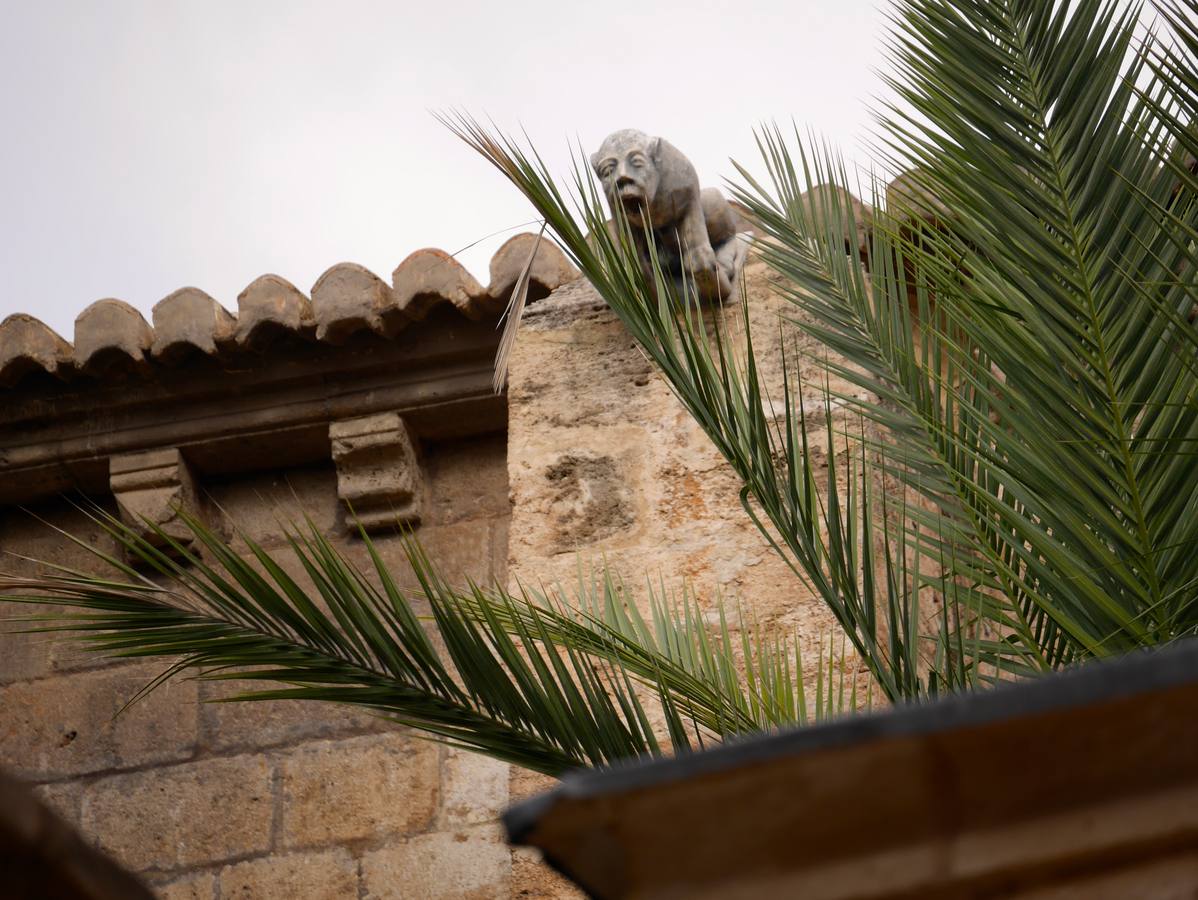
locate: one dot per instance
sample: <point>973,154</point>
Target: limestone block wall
<point>361,393</point>
<point>294,800</point>
<point>605,465</point>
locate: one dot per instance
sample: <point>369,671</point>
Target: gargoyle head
<point>626,164</point>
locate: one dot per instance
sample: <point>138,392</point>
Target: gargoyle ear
<point>595,162</point>
<point>655,149</point>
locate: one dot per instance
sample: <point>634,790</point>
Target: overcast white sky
<point>153,144</point>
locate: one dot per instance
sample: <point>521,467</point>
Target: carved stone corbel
<point>154,485</point>
<point>378,475</point>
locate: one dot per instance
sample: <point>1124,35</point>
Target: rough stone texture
<point>228,727</point>
<point>474,789</point>
<point>187,815</point>
<point>359,788</point>
<point>201,886</point>
<point>348,298</point>
<point>378,476</point>
<point>151,488</point>
<point>110,332</point>
<point>68,725</point>
<point>268,308</point>
<point>27,345</point>
<point>467,480</point>
<point>550,268</point>
<point>468,864</point>
<point>430,277</point>
<point>26,537</point>
<point>189,318</point>
<point>329,875</point>
<point>603,461</point>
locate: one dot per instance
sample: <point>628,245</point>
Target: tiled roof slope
<point>345,300</point>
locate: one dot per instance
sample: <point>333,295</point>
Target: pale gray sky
<point>153,144</point>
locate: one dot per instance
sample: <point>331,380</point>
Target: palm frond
<point>527,678</point>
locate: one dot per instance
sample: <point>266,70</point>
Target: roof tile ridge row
<point>346,298</point>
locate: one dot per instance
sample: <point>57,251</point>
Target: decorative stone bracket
<point>378,475</point>
<point>154,485</point>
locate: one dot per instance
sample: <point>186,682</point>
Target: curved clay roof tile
<point>108,330</point>
<point>550,268</point>
<point>269,306</point>
<point>189,318</point>
<point>346,299</point>
<point>430,277</point>
<point>28,344</point>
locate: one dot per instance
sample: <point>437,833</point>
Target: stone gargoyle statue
<point>693,231</point>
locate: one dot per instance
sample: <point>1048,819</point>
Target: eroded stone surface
<point>600,451</point>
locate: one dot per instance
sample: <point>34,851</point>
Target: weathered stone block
<point>68,725</point>
<point>467,480</point>
<point>470,864</point>
<point>24,540</point>
<point>236,726</point>
<point>474,789</point>
<point>336,791</point>
<point>151,487</point>
<point>263,506</point>
<point>378,476</point>
<point>532,879</point>
<point>200,886</point>
<point>460,551</point>
<point>329,875</point>
<point>64,798</point>
<point>183,816</point>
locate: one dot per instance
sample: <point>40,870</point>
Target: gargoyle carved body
<point>693,231</point>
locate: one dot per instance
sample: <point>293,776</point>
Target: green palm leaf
<point>524,678</point>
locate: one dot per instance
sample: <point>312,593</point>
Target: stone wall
<point>287,799</point>
<point>364,393</point>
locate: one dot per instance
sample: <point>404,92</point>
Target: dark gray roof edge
<point>1137,673</point>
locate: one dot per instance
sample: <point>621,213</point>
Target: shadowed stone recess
<point>550,268</point>
<point>190,318</point>
<point>269,307</point>
<point>109,330</point>
<point>348,298</point>
<point>430,277</point>
<point>27,345</point>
